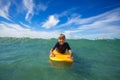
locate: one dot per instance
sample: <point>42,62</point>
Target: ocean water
<point>28,59</point>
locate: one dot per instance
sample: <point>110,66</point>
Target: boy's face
<point>61,41</point>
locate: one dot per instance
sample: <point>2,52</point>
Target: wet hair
<point>61,36</point>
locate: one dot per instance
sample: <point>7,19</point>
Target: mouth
<point>61,42</point>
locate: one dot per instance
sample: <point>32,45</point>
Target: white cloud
<point>15,30</point>
<point>106,25</point>
<point>51,22</point>
<point>29,5</point>
<point>109,16</point>
<point>32,8</point>
<point>101,32</point>
<point>26,26</point>
<point>41,7</point>
<point>4,10</point>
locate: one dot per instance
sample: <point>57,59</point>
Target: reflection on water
<point>60,64</point>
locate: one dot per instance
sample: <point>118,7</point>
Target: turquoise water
<point>28,59</point>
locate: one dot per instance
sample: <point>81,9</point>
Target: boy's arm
<point>70,51</point>
<point>51,51</point>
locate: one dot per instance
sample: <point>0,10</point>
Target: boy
<point>61,46</point>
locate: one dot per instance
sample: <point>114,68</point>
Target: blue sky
<point>89,19</point>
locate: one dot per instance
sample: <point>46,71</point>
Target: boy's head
<point>61,38</point>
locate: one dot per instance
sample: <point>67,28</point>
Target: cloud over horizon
<point>102,26</point>
<point>16,30</point>
<point>40,20</point>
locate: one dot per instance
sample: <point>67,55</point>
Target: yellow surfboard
<point>61,57</point>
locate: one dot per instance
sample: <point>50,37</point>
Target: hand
<point>52,55</point>
<point>70,57</point>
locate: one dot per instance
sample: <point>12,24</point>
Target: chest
<point>64,46</point>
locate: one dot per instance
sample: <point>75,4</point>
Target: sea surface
<point>28,59</point>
